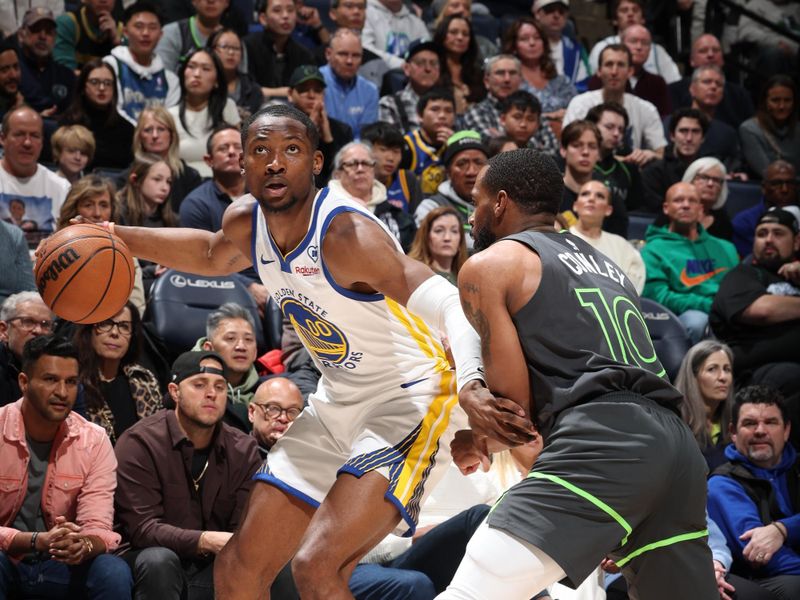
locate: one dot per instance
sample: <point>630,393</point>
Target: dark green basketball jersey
<point>582,333</point>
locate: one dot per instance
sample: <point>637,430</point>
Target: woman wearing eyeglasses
<point>242,88</point>
<point>709,177</point>
<point>354,177</point>
<point>94,105</point>
<point>116,390</point>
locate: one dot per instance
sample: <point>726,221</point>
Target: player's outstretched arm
<point>195,250</point>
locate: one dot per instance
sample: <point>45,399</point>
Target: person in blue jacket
<point>755,497</point>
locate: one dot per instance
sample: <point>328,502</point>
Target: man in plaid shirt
<point>502,77</point>
<point>422,69</point>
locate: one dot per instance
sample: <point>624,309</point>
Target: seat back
<point>180,303</point>
<point>668,334</point>
<point>741,196</point>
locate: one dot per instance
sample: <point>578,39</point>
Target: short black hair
<point>596,112</point>
<point>142,6</point>
<point>283,110</point>
<point>383,133</point>
<point>215,131</point>
<point>437,93</point>
<point>530,178</point>
<point>758,394</point>
<point>688,113</point>
<point>521,100</point>
<point>46,345</point>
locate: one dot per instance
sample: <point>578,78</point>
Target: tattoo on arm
<point>481,324</point>
<point>471,288</point>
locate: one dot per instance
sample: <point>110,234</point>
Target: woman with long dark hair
<point>242,88</point>
<point>116,389</point>
<point>526,40</point>
<point>461,68</point>
<point>772,133</point>
<point>94,105</point>
<point>204,105</point>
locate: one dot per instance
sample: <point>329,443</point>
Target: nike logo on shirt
<point>693,280</point>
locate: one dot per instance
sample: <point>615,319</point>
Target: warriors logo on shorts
<point>320,336</point>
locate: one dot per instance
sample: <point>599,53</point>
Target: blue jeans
<point>106,576</point>
<point>695,322</point>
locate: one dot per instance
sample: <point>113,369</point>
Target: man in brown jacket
<point>183,481</point>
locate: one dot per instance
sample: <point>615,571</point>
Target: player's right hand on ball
<point>496,418</point>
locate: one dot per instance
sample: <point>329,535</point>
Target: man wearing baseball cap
<point>422,67</point>
<point>307,92</point>
<point>568,54</point>
<point>182,482</point>
<point>46,85</point>
<point>757,311</point>
<point>463,157</point>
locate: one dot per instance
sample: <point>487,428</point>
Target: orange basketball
<point>84,273</point>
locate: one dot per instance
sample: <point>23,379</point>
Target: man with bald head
<point>276,404</point>
<point>779,190</point>
<point>736,105</point>
<point>684,263</point>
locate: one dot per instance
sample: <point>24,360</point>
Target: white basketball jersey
<point>366,346</point>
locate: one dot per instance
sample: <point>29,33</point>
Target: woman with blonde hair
<point>706,381</point>
<point>440,242</point>
<point>157,133</point>
<point>94,199</point>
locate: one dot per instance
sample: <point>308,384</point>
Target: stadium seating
<point>180,303</point>
<point>668,334</point>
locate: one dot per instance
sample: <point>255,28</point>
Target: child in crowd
<point>73,148</point>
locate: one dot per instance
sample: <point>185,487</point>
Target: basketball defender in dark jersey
<point>563,338</point>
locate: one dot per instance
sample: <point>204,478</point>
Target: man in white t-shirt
<point>645,133</point>
<point>30,194</point>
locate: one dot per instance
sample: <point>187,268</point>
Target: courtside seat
<point>668,334</point>
<point>180,303</point>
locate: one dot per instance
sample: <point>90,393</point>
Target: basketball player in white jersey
<point>355,463</point>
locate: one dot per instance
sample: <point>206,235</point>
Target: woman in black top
<point>461,67</point>
<point>242,88</point>
<point>94,105</point>
<point>116,390</point>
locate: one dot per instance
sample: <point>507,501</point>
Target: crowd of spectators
<point>128,111</point>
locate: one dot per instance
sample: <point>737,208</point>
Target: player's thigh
<point>353,517</point>
<point>274,513</point>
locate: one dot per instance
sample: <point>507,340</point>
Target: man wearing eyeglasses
<point>779,190</point>
<point>23,317</point>
<point>276,404</point>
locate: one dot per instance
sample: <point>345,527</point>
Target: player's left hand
<point>763,543</point>
<point>494,417</point>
